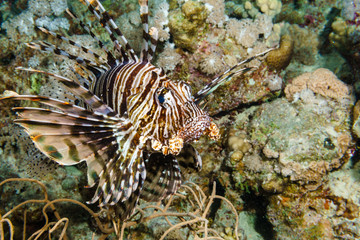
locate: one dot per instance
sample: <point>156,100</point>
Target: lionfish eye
<point>161,95</point>
<point>161,98</point>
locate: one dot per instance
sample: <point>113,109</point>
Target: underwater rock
<point>286,145</point>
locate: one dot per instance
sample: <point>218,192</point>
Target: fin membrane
<point>163,177</point>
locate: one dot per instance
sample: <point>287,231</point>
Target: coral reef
<point>284,167</point>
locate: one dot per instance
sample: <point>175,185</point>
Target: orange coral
<point>280,58</point>
<point>321,81</point>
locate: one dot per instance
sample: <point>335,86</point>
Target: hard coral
<point>321,81</point>
<point>212,64</point>
<point>246,32</point>
<point>306,44</point>
<point>269,7</point>
<point>184,24</point>
<point>280,58</point>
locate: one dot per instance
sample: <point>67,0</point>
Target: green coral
<point>185,24</point>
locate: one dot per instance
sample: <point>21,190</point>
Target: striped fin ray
<point>110,26</point>
<point>144,13</point>
<point>154,36</point>
<point>126,208</point>
<point>111,60</point>
<point>189,158</point>
<point>73,135</point>
<point>70,138</point>
<point>94,102</point>
<point>121,177</point>
<point>100,60</point>
<point>226,76</point>
<point>58,51</point>
<point>61,105</point>
<point>163,177</point>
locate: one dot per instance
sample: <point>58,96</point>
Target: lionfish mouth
<point>192,131</point>
<point>197,127</point>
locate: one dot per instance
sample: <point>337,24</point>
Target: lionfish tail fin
<point>163,177</point>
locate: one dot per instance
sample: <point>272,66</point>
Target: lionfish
<point>134,120</point>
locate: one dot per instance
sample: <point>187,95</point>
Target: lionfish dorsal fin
<point>48,47</point>
<point>99,60</point>
<point>148,36</point>
<point>108,23</point>
<point>111,60</point>
<point>94,102</point>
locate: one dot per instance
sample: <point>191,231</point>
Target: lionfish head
<point>180,119</point>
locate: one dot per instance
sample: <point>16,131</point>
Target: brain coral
<point>321,81</point>
<point>280,58</point>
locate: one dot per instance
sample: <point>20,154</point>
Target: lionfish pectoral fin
<point>122,177</point>
<point>163,177</point>
<point>189,158</point>
<point>70,134</point>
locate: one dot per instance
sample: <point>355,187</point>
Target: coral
<point>246,32</point>
<point>269,7</point>
<point>306,44</point>
<point>254,8</point>
<point>161,21</point>
<point>346,38</point>
<point>216,10</point>
<point>22,24</point>
<point>40,8</point>
<point>356,119</point>
<point>212,64</point>
<point>339,36</point>
<point>168,58</point>
<point>53,24</point>
<point>186,22</point>
<point>196,202</point>
<point>350,9</point>
<point>280,58</point>
<point>58,6</point>
<point>321,81</point>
